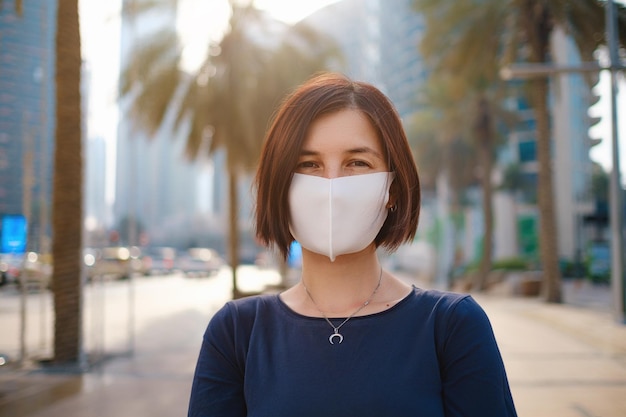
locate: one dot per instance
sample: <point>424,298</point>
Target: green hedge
<point>511,264</point>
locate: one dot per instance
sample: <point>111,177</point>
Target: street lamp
<point>617,236</point>
<point>531,70</point>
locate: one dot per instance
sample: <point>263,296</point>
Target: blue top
<point>432,354</point>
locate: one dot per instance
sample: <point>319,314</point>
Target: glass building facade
<point>27,102</point>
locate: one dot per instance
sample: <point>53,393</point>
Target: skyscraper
<point>27,111</point>
<point>379,41</point>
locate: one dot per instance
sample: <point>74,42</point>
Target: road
<point>117,313</point>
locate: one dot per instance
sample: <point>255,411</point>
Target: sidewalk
<point>154,381</point>
<point>562,361</point>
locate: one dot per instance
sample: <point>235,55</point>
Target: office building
<point>27,102</point>
<point>379,42</point>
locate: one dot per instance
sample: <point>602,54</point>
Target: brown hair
<point>323,94</point>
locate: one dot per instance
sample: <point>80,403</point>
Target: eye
<point>360,163</point>
<point>306,164</point>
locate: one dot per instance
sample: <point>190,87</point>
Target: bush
<point>511,264</point>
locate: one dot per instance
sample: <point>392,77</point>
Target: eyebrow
<point>365,149</point>
<point>359,150</point>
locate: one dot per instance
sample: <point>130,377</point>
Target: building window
<point>527,151</point>
<point>529,187</point>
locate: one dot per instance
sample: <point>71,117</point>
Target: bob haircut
<point>321,95</point>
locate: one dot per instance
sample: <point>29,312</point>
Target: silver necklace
<point>336,333</point>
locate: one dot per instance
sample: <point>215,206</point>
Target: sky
<point>100,31</point>
<point>213,15</point>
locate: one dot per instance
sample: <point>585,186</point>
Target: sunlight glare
<point>200,22</point>
<point>291,11</point>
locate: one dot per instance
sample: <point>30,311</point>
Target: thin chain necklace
<point>336,333</point>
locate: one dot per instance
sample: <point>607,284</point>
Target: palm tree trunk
<point>539,24</point>
<point>547,231</point>
<point>233,220</point>
<point>484,139</point>
<point>486,260</point>
<point>67,198</point>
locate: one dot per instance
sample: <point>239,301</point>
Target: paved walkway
<point>562,361</point>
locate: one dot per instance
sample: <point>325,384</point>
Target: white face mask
<point>338,216</point>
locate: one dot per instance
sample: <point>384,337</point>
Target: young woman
<point>336,174</point>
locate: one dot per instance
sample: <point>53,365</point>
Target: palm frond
<point>151,55</point>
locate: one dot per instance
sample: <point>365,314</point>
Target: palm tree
<point>227,103</point>
<point>439,140</point>
<point>483,130</point>
<point>467,35</point>
<point>468,107</point>
<point>487,120</point>
<point>67,196</point>
<point>442,147</point>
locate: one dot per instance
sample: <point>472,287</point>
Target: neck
<point>340,287</point>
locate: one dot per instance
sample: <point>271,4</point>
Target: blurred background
<point>507,110</point>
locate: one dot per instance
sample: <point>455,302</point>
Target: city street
<point>116,312</point>
<point>562,360</point>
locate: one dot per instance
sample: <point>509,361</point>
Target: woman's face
<point>340,144</point>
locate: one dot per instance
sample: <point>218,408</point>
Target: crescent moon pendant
<point>331,338</point>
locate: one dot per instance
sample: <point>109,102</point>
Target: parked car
<point>37,271</point>
<point>31,269</point>
<point>199,262</point>
<point>10,266</point>
<point>114,262</point>
<point>160,260</point>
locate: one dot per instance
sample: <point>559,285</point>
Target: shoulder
<point>239,316</point>
<point>246,309</point>
<point>449,309</point>
<point>458,319</point>
<point>445,301</point>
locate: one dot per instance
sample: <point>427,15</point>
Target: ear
<point>393,197</point>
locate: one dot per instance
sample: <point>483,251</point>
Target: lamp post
<point>616,208</point>
<point>521,71</point>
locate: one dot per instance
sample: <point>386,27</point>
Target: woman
<point>336,174</point>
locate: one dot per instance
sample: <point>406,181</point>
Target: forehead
<point>348,127</point>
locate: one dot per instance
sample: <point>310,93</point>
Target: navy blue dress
<point>432,354</point>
